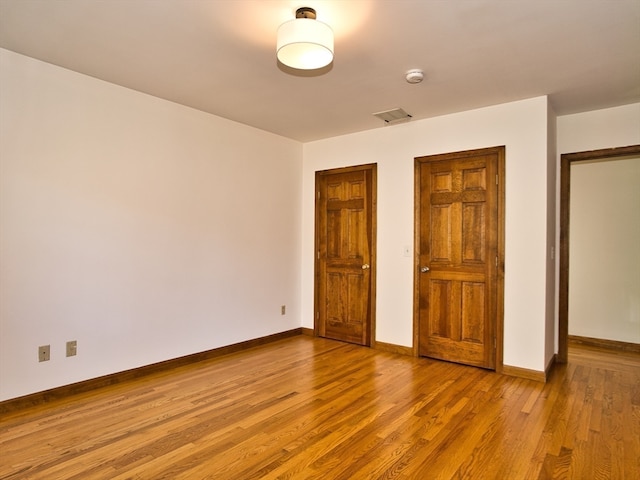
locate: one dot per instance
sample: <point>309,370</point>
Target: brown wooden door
<point>345,259</point>
<point>459,258</point>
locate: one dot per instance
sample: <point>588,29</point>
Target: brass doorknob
<point>424,269</point>
<point>365,266</point>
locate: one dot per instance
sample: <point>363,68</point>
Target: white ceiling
<point>219,55</point>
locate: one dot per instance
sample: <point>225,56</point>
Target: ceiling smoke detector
<point>414,76</point>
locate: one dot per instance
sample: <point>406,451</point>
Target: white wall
<point>523,128</point>
<point>551,265</point>
<point>607,128</point>
<point>604,277</point>
<point>142,229</point>
<point>147,230</point>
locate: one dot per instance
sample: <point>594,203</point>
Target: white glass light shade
<point>305,44</point>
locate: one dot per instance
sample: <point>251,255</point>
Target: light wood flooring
<point>309,408</point>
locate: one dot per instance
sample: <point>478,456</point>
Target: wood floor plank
<point>310,408</point>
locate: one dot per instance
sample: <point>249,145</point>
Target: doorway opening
<point>566,161</point>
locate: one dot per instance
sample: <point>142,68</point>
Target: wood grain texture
<point>311,408</point>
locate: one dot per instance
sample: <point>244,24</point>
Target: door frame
<point>500,152</point>
<point>372,168</point>
<point>566,160</point>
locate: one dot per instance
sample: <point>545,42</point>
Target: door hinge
<point>495,343</point>
<point>496,179</point>
<point>318,255</point>
<point>317,315</point>
<point>318,195</point>
<point>496,260</point>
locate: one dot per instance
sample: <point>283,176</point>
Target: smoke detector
<point>414,76</point>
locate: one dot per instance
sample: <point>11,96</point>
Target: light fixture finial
<point>306,12</point>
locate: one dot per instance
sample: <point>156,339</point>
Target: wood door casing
<point>345,254</point>
<point>459,258</point>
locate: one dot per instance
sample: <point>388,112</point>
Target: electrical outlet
<point>44,353</point>
<point>72,348</point>
<point>283,310</point>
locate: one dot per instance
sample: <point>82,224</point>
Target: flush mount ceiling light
<point>305,43</point>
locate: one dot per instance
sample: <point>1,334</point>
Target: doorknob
<point>365,266</point>
<point>424,269</point>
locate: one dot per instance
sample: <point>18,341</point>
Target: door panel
<point>458,227</point>
<point>345,260</point>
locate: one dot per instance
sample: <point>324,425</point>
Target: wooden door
<point>460,255</point>
<point>345,256</point>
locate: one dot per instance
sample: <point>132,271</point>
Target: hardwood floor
<point>308,408</point>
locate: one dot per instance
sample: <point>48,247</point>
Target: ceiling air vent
<point>395,115</point>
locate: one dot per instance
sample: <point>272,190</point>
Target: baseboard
<point>613,345</point>
<point>382,346</point>
<point>550,365</point>
<point>393,348</point>
<point>536,375</point>
<point>65,391</point>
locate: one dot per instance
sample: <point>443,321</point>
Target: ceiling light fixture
<point>305,43</point>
